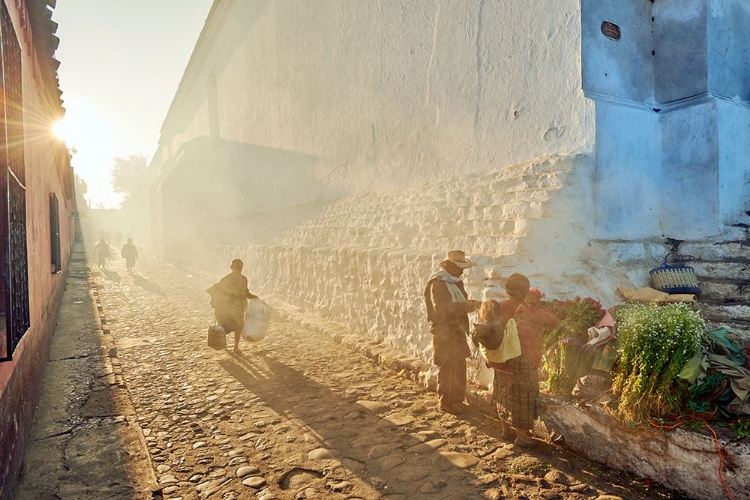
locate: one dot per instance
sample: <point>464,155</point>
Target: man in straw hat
<point>448,306</point>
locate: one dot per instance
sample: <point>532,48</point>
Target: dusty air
<point>394,250</point>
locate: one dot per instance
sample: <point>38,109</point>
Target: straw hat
<point>458,257</point>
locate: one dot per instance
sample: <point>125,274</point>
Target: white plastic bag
<point>256,320</point>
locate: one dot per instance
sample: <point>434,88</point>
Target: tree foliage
<point>128,176</point>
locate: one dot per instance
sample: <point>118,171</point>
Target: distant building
<point>36,225</point>
<point>340,148</point>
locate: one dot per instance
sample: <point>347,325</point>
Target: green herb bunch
<point>565,360</point>
<point>655,343</point>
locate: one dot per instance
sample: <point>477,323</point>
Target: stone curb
<point>112,362</point>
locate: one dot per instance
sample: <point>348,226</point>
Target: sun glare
<point>83,126</point>
<point>87,132</point>
<point>60,129</point>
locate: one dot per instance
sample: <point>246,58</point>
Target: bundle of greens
<point>655,343</point>
<point>566,359</point>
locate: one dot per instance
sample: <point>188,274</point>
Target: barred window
<point>54,233</point>
<point>14,289</point>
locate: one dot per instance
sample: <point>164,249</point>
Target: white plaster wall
<point>734,159</point>
<point>424,116</point>
<point>686,64</point>
<point>689,172</point>
<point>628,172</point>
<point>623,68</point>
<point>729,49</point>
<point>392,94</point>
<point>363,261</point>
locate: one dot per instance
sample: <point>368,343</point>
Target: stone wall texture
<point>363,260</point>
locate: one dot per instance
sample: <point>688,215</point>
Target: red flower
<point>534,296</point>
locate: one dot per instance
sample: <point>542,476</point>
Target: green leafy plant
<point>655,343</point>
<point>741,428</point>
<point>565,359</point>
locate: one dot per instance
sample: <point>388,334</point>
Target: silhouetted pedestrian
<point>130,254</point>
<point>101,250</point>
<point>229,299</point>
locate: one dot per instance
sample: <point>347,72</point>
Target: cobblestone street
<point>299,416</point>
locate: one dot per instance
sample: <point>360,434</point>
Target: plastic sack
<point>256,320</point>
<point>217,326</point>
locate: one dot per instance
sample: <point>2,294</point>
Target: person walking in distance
<point>448,306</point>
<point>101,250</point>
<point>130,254</point>
<point>229,298</point>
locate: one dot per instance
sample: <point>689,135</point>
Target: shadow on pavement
<point>83,438</point>
<point>111,275</point>
<point>367,444</point>
<point>364,437</point>
<point>147,285</point>
<point>251,369</point>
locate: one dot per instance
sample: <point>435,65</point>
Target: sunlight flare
<point>88,134</point>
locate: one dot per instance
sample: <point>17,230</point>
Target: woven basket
<point>675,278</point>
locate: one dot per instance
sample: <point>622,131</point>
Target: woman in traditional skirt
<point>516,382</point>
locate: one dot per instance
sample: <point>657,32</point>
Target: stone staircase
<point>723,271</point>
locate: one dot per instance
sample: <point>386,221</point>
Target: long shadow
<point>340,424</point>
<point>111,275</point>
<point>251,369</point>
<point>147,285</point>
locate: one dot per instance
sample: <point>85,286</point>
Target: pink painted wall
<point>47,171</point>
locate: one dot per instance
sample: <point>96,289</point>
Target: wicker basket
<point>675,278</point>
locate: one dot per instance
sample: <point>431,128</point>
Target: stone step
<point>735,317</point>
<point>735,312</point>
<point>720,270</point>
<point>724,290</point>
<point>738,250</point>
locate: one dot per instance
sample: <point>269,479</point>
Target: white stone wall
<point>390,94</point>
<point>422,117</point>
<point>363,261</point>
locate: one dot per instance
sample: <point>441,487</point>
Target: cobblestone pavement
<point>298,416</point>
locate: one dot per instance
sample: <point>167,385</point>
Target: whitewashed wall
<point>423,118</point>
<point>364,261</point>
<point>390,94</point>
<point>672,115</point>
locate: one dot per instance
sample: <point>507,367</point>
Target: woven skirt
<point>515,391</point>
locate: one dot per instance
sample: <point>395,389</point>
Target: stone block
<point>521,228</point>
<point>683,460</point>
<point>515,210</point>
